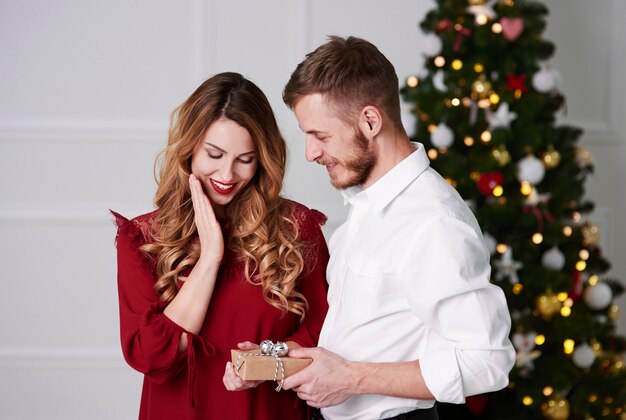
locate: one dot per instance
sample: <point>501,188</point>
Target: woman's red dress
<point>189,385</point>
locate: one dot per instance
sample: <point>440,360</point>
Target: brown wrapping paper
<point>263,368</point>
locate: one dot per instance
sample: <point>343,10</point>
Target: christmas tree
<point>486,107</point>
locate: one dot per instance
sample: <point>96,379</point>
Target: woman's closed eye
<point>246,160</point>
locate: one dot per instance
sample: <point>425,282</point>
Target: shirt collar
<point>383,191</point>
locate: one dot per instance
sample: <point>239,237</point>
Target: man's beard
<point>359,165</point>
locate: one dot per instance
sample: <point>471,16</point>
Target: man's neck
<point>391,148</point>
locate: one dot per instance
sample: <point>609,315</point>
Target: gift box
<point>251,365</point>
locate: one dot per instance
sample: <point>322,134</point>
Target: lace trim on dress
<point>309,222</point>
<point>139,231</point>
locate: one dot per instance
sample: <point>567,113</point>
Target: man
<point>412,316</point>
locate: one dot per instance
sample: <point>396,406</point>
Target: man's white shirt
<point>409,279</point>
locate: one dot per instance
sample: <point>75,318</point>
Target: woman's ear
<point>370,121</point>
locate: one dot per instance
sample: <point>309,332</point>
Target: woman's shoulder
<point>307,220</point>
<point>142,227</point>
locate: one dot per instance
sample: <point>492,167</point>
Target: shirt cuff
<point>442,376</point>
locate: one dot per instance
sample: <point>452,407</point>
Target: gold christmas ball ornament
<point>555,408</point>
<point>614,312</point>
<point>551,158</point>
<point>547,305</point>
<point>591,234</point>
<point>481,87</point>
<point>583,157</point>
<point>501,155</point>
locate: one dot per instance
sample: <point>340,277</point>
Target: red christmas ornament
<point>514,82</point>
<point>576,291</point>
<point>488,181</point>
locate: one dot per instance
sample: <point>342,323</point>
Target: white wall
<point>86,88</point>
<point>591,56</point>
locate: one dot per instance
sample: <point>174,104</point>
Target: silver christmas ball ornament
<point>553,259</point>
<point>442,137</point>
<point>583,356</point>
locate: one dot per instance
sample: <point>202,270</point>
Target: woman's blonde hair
<point>262,231</point>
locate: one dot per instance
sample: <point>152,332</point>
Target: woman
<point>224,262</point>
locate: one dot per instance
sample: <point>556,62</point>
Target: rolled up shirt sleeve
<point>446,277</point>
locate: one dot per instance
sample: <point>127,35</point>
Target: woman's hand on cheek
<point>209,229</point>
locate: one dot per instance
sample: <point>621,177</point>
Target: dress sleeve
<point>446,280</point>
<point>313,283</point>
<point>149,339</point>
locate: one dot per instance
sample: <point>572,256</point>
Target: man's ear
<point>370,121</point>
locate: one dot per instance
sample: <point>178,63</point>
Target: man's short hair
<point>350,73</point>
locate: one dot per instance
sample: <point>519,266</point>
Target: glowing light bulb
<point>457,64</point>
<point>496,28</point>
<point>568,346</point>
<point>484,103</point>
<point>537,238</point>
<point>501,248</point>
<point>468,141</point>
<point>540,339</point>
<point>485,136</point>
<point>583,254</point>
<point>412,81</point>
<point>440,61</point>
<point>526,188</point>
<point>581,265</point>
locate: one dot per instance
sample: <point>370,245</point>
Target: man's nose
<point>312,149</point>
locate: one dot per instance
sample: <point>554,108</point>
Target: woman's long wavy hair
<point>262,231</point>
